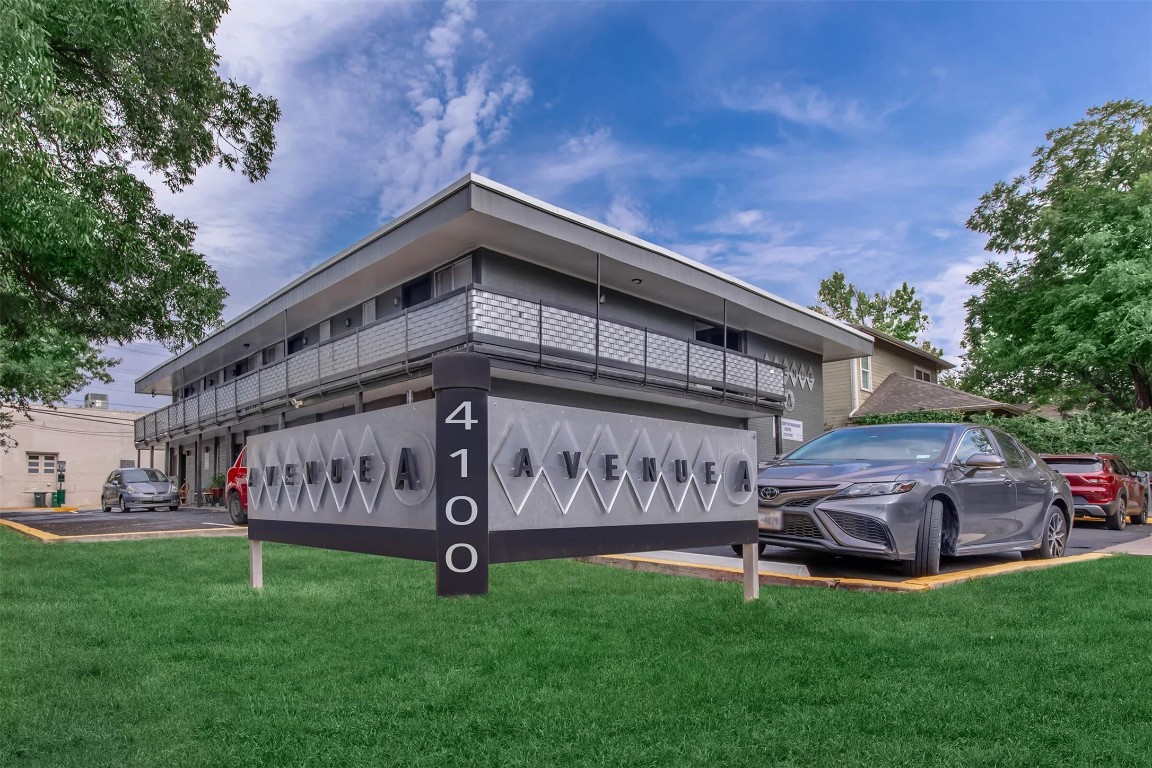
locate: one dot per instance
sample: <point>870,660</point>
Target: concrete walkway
<point>1138,547</point>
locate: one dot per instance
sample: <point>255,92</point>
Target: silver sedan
<point>912,492</point>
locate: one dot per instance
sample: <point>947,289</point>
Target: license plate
<point>772,519</point>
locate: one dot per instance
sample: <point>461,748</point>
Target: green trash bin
<point>58,498</point>
<point>38,499</point>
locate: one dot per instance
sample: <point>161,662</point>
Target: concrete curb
<point>187,533</point>
<point>674,567</point>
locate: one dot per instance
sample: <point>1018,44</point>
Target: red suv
<point>236,490</point>
<point>1103,486</point>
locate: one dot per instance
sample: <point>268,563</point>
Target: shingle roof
<point>901,394</point>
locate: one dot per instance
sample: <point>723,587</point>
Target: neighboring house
<point>900,394</point>
<point>568,311</point>
<point>92,441</point>
<point>848,384</point>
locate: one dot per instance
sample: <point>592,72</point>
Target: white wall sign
<point>791,429</point>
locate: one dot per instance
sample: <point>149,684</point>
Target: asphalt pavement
<point>1088,535</point>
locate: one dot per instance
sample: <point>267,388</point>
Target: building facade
<point>90,442</point>
<point>849,383</point>
<point>567,310</point>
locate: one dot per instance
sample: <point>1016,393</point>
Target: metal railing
<point>530,332</point>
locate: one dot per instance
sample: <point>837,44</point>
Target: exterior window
<point>1014,456</point>
<point>41,463</point>
<point>271,354</point>
<point>714,334</point>
<point>974,441</point>
<point>455,276</point>
<point>127,463</point>
<point>923,375</point>
<point>866,373</point>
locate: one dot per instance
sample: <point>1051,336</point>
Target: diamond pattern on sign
<point>677,490</point>
<point>293,481</point>
<point>272,461</point>
<point>375,469</point>
<point>556,467</point>
<point>606,489</point>
<point>639,469</point>
<point>313,461</point>
<point>517,473</point>
<point>256,478</point>
<point>706,491</point>
<point>342,455</point>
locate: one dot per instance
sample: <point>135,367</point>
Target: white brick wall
<point>246,389</point>
<point>569,331</point>
<point>667,355</point>
<point>505,317</point>
<point>303,369</point>
<point>622,343</point>
<point>707,364</point>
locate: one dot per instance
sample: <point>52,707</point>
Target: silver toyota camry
<point>914,492</point>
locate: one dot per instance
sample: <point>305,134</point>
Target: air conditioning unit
<point>96,400</point>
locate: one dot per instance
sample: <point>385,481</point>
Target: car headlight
<point>134,489</point>
<point>857,490</point>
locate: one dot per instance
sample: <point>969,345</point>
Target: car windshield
<point>918,444</point>
<point>144,476</point>
<point>1074,466</point>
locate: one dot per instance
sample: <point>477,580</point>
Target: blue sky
<point>776,141</point>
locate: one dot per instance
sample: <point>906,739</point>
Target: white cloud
<point>944,296</point>
<point>373,110</point>
<point>627,215</point>
<point>804,105</point>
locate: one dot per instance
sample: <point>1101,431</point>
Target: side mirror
<point>1142,475</point>
<point>984,461</point>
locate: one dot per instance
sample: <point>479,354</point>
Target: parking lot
<point>90,525</point>
<point>95,525</point>
<point>1088,535</point>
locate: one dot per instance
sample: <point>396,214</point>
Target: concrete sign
<point>466,480</point>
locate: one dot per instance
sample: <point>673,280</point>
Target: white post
<point>752,571</point>
<point>256,563</point>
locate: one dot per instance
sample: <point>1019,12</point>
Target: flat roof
<point>477,212</point>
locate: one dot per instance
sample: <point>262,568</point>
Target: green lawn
<point>157,653</point>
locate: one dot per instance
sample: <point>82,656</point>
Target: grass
<point>156,653</point>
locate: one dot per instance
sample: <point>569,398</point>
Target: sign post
<point>461,383</point>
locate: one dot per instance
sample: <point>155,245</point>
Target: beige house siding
<point>886,360</point>
<point>837,393</point>
<point>92,441</point>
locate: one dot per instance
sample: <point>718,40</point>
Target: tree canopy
<point>899,314</point>
<point>97,94</point>
<point>1068,317</point>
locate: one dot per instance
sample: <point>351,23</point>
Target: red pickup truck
<point>236,490</point>
<point>1103,486</point>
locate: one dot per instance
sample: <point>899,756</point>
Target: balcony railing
<point>501,326</point>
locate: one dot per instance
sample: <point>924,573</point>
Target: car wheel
<point>123,505</point>
<point>1054,540</point>
<point>739,550</point>
<point>174,508</point>
<point>236,511</point>
<point>927,559</point>
<point>105,509</point>
<point>1142,518</point>
<point>1117,521</point>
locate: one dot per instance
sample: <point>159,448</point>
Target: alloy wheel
<point>1057,538</point>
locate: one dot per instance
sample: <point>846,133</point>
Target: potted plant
<point>215,488</point>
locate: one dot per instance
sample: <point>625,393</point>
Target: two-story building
<point>849,383</point>
<point>568,311</point>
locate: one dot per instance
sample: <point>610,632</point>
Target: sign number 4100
<point>462,415</point>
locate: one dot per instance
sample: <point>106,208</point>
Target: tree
<point>899,314</point>
<point>95,92</point>
<point>1068,317</point>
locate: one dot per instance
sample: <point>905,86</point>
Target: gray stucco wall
<point>804,386</point>
<point>500,272</point>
